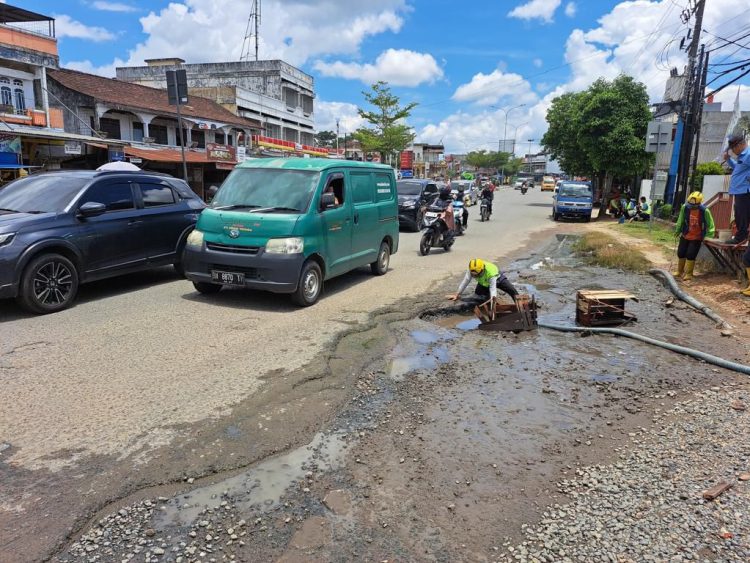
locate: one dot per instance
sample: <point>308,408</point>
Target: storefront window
<point>6,97</point>
<point>137,131</point>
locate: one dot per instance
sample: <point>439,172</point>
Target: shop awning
<point>167,155</point>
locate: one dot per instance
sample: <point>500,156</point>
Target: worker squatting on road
<point>489,278</point>
<point>694,223</point>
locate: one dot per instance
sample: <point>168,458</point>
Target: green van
<point>287,224</point>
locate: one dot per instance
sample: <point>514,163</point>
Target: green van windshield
<point>265,190</point>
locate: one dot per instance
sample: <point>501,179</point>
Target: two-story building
<point>32,134</point>
<point>141,117</point>
<point>274,93</point>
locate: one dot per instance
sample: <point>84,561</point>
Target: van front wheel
<point>310,285</point>
<point>380,266</point>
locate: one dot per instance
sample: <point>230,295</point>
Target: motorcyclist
<point>461,196</point>
<point>488,194</point>
<point>445,201</point>
<point>489,278</point>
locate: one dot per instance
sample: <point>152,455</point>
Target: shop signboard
<point>241,154</point>
<point>73,147</point>
<point>116,155</point>
<point>220,153</point>
<point>10,143</point>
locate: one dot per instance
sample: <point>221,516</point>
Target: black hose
<point>708,358</point>
<point>674,288</point>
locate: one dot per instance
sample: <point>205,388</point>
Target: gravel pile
<point>650,505</point>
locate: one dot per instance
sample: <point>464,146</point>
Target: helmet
<point>445,192</point>
<point>476,266</point>
<point>695,198</point>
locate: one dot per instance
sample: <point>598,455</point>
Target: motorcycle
<point>437,223</point>
<point>484,210</point>
<point>524,189</point>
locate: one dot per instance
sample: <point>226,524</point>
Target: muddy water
<point>455,438</point>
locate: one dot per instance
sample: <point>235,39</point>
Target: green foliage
<point>388,134</point>
<point>665,211</point>
<point>325,139</point>
<point>487,159</point>
<point>603,250</point>
<point>602,130</point>
<point>705,169</point>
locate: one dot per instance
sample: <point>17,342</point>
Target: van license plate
<point>228,278</point>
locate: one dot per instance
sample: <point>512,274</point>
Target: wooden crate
<point>602,307</point>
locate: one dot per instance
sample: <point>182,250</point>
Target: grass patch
<point>660,234</point>
<point>600,249</point>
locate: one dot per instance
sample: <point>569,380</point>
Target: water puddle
<point>460,322</point>
<point>423,360</point>
<point>604,378</point>
<point>263,485</point>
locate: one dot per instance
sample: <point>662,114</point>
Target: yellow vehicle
<point>548,184</point>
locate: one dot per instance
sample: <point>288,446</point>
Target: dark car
<point>413,195</point>
<point>61,229</point>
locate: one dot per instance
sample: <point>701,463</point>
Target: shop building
<point>273,93</point>
<point>141,117</point>
<point>32,132</point>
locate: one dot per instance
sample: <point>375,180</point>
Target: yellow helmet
<point>695,198</point>
<point>476,266</point>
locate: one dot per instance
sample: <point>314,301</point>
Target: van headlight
<point>291,245</point>
<point>6,238</point>
<point>195,239</point>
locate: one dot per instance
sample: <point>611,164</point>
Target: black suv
<point>61,229</point>
<point>413,195</point>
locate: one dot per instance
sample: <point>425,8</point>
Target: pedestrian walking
<point>738,159</point>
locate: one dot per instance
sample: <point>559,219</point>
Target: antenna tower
<point>252,32</point>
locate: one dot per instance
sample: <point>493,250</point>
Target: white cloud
<point>65,26</point>
<point>113,6</point>
<point>292,30</point>
<point>488,89</point>
<point>107,70</point>
<point>538,63</point>
<point>630,38</point>
<point>536,9</point>
<point>398,67</point>
<point>571,9</point>
<point>326,114</point>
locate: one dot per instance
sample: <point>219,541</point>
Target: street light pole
<point>337,138</point>
<point>528,155</point>
<point>505,132</point>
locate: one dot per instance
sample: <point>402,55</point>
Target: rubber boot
<point>680,268</point>
<point>746,291</point>
<point>689,265</point>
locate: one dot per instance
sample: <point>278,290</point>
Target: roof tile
<point>138,97</point>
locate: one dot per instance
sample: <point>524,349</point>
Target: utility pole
<point>528,156</point>
<point>337,137</point>
<point>692,95</point>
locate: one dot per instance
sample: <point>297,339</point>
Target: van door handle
<point>356,218</point>
<point>134,222</point>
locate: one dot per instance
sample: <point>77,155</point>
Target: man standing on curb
<point>739,184</point>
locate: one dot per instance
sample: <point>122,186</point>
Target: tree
<point>325,139</point>
<point>562,140</point>
<point>601,131</point>
<point>487,160</point>
<point>705,169</point>
<point>388,134</point>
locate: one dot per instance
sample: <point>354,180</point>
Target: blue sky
<point>464,62</point>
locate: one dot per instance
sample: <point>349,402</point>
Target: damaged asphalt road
<point>448,442</point>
